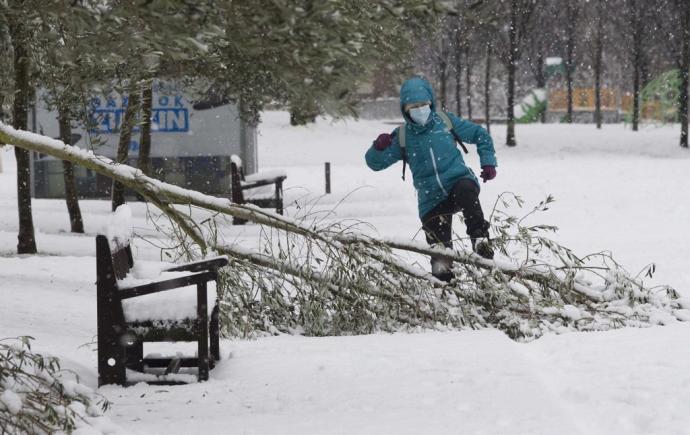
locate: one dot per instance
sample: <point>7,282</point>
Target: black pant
<point>438,223</point>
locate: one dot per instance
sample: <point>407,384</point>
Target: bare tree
<point>468,80</point>
<point>459,42</point>
<point>487,87</point>
<point>682,8</point>
<point>443,73</point>
<point>596,37</point>
<point>572,14</point>
<point>518,22</point>
<point>634,23</point>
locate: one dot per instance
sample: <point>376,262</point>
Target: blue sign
<point>169,116</point>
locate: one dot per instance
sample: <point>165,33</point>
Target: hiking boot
<point>482,246</point>
<point>441,268</point>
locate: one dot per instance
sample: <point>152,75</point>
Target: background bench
<point>247,189</point>
<point>127,318</point>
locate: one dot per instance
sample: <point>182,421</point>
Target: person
<point>444,183</point>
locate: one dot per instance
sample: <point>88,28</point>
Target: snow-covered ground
<point>615,189</point>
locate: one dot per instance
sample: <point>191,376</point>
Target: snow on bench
<point>172,305</point>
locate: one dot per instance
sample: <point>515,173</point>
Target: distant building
<point>613,105</point>
<point>616,105</point>
<point>191,144</point>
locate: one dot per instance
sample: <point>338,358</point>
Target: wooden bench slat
<point>170,284</point>
<point>161,362</point>
<point>197,266</point>
<point>267,182</point>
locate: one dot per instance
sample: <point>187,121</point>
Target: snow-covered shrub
<point>37,396</point>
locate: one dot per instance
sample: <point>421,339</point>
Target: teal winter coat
<point>434,158</point>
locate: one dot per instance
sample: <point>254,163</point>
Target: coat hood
<point>415,90</point>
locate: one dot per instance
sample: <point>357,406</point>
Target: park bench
<point>166,309</point>
<point>248,189</point>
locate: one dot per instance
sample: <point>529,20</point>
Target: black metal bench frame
<point>120,343</point>
<point>239,185</point>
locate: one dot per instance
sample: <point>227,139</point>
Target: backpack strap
<point>403,150</point>
<point>449,126</point>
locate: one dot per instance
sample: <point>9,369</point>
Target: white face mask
<point>420,115</point>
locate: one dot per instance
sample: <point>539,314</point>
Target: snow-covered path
<point>616,190</point>
<point>470,383</point>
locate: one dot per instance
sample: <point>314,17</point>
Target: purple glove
<point>383,141</point>
<point>488,173</point>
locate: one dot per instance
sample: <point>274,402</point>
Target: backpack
<point>449,128</point>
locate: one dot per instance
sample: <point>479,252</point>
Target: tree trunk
<point>541,79</point>
<point>458,74</point>
<point>569,87</point>
<point>684,76</point>
<point>71,196</point>
<point>487,89</point>
<point>597,91</point>
<point>118,193</point>
<point>569,58</point>
<point>636,97</point>
<point>468,83</point>
<point>636,27</point>
<point>144,162</point>
<point>443,80</point>
<point>598,64</point>
<point>26,242</point>
<point>512,61</point>
<point>2,119</point>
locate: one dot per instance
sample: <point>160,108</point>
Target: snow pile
<point>11,401</point>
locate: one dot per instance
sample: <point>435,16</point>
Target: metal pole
<point>328,177</point>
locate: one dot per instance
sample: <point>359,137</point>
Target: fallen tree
<point>321,278</point>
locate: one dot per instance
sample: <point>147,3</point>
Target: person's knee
<point>465,195</point>
<point>466,188</point>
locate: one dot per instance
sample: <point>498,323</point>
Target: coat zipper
<point>438,179</point>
